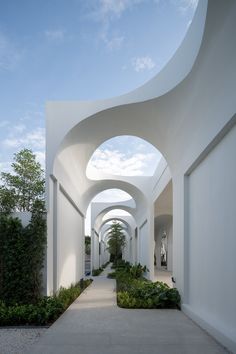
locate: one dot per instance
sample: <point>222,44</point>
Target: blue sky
<point>77,49</point>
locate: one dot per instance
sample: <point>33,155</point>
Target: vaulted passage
<point>182,214</point>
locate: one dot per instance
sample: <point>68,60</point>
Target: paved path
<point>94,324</point>
<point>163,275</point>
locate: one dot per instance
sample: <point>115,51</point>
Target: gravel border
<point>18,340</point>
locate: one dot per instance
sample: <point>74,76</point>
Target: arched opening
<point>132,159</point>
<point>123,156</point>
<point>102,223</point>
<point>163,235</point>
<point>100,212</point>
<point>105,234</point>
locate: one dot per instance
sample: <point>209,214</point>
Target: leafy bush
<point>120,263</point>
<point>46,311</point>
<point>137,271</point>
<point>133,291</point>
<point>105,265</point>
<point>111,275</point>
<point>96,272</point>
<point>22,256</point>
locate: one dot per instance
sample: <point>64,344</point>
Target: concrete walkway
<point>163,275</point>
<point>94,324</point>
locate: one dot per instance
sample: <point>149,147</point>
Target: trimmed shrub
<point>44,312</point>
<point>133,291</point>
<point>22,255</point>
<point>111,275</point>
<point>97,272</point>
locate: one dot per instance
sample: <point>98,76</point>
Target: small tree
<point>7,200</point>
<point>87,241</point>
<point>116,240</point>
<point>25,186</point>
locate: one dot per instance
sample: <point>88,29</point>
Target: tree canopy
<point>116,240</point>
<point>25,186</point>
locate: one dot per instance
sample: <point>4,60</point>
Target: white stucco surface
<point>212,241</point>
<point>70,245</point>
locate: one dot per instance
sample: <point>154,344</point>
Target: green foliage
<point>25,186</point>
<point>149,295</point>
<point>21,258</point>
<point>137,271</point>
<point>97,272</point>
<point>133,291</point>
<point>87,245</point>
<point>120,263</point>
<point>111,275</point>
<point>44,312</point>
<point>67,296</point>
<point>116,241</point>
<point>7,200</point>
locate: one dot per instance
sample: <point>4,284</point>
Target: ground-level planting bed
<point>134,291</point>
<point>96,272</point>
<point>45,311</point>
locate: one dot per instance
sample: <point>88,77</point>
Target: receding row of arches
<point>184,211</point>
<point>123,207</point>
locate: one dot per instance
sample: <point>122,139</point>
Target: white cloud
<point>112,195</point>
<point>110,9</point>
<point>9,54</point>
<point>143,63</point>
<point>113,42</point>
<point>19,128</point>
<point>4,124</point>
<point>55,35</point>
<point>190,3</point>
<point>117,212</point>
<point>117,163</point>
<point>107,11</point>
<point>5,166</point>
<point>185,5</point>
<point>34,139</point>
<point>40,157</point>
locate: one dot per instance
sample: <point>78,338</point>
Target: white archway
<point>188,113</point>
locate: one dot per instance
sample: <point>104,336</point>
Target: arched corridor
<point>183,214</point>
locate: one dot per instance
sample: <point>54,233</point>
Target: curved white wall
<point>184,120</point>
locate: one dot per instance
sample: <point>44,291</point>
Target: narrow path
<point>94,324</point>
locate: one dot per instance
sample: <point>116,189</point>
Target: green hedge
<point>44,312</point>
<point>134,291</point>
<point>97,272</point>
<point>21,258</point>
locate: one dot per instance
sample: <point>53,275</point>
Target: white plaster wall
<point>135,246</point>
<point>69,243</point>
<point>126,250</point>
<point>212,237</point>
<point>104,256</point>
<point>50,240</point>
<point>95,252</point>
<point>143,256</point>
<point>170,248</point>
